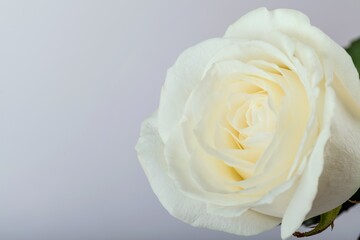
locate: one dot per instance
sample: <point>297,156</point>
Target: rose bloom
<point>257,128</point>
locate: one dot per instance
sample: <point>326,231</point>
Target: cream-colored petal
<point>150,152</point>
<point>340,178</point>
<point>200,175</point>
<point>181,80</point>
<point>302,201</point>
<point>260,21</point>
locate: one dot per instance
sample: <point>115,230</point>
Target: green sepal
<point>326,220</point>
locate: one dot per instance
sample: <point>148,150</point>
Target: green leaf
<point>326,220</point>
<point>354,51</point>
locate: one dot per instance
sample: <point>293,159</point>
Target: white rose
<point>257,128</point>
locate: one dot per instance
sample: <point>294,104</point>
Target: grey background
<point>76,80</point>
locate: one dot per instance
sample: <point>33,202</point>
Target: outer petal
<point>150,152</point>
<point>182,78</point>
<point>255,24</point>
<point>340,178</point>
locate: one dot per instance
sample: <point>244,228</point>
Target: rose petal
<point>150,152</point>
<point>181,80</point>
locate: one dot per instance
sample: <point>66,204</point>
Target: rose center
<point>251,125</point>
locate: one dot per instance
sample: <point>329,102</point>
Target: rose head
<point>257,128</point>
